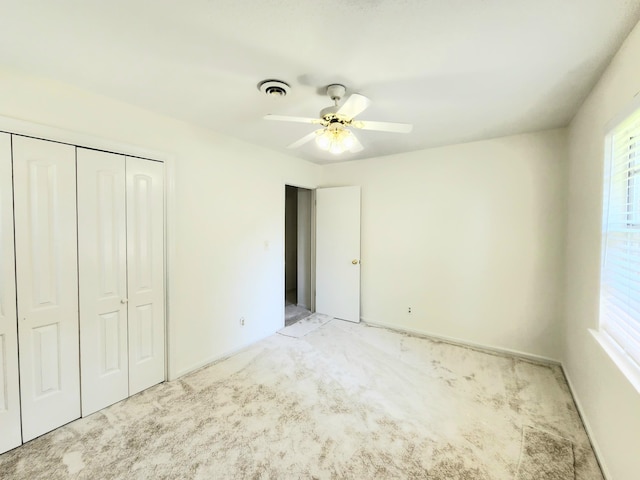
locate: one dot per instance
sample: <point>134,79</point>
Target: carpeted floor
<point>294,313</point>
<point>304,326</point>
<point>343,401</point>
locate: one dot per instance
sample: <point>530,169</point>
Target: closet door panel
<point>145,273</point>
<point>103,279</point>
<point>10,435</point>
<point>47,283</point>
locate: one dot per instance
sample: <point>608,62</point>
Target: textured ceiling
<point>459,70</point>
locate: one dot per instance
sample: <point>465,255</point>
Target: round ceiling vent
<point>274,88</point>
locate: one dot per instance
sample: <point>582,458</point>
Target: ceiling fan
<point>335,135</point>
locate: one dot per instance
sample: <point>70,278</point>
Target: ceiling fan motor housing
<point>329,113</point>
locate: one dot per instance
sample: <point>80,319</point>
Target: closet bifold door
<point>145,273</point>
<point>10,435</point>
<point>47,283</point>
<point>102,269</point>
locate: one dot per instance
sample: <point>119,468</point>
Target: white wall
<point>469,236</point>
<point>610,404</point>
<point>226,207</point>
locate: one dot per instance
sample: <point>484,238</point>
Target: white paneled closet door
<point>47,283</point>
<point>10,435</point>
<point>102,255</point>
<point>145,273</point>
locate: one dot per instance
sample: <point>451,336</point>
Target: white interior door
<point>10,435</point>
<point>47,283</point>
<point>145,273</point>
<point>338,252</point>
<point>102,270</point>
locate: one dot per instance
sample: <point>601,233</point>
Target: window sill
<point>626,365</point>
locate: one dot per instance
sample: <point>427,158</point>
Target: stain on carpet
<point>545,456</point>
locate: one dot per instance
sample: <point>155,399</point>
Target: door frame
<point>312,282</point>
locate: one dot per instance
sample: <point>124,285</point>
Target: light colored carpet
<point>306,325</point>
<point>344,401</point>
<point>545,456</point>
<point>293,313</point>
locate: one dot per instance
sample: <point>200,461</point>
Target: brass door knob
<point>354,261</point>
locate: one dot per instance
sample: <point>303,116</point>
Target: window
<point>620,278</point>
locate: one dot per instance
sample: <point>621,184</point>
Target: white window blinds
<point>620,279</point>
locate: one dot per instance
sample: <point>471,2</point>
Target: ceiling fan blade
<point>287,118</point>
<point>357,146</point>
<point>303,140</point>
<point>383,126</point>
<point>354,105</point>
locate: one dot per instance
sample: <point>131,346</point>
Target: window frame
<point>616,350</point>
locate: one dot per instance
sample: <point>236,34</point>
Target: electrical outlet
<point>242,321</point>
<point>409,311</point>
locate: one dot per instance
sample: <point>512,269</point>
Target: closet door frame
<point>10,424</point>
<point>96,142</point>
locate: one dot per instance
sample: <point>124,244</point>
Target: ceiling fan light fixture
<point>337,120</point>
<point>323,139</point>
<point>348,140</point>
<point>336,148</point>
<point>335,139</point>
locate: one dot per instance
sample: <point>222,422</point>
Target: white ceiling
<point>459,70</point>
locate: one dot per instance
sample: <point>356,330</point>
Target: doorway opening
<point>298,244</point>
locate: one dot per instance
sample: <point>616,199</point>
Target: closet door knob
<point>124,300</point>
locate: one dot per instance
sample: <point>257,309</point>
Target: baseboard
<point>465,343</point>
<point>217,358</point>
<point>585,422</point>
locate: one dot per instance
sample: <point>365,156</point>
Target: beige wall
<point>226,237</point>
<point>469,236</point>
<point>610,404</point>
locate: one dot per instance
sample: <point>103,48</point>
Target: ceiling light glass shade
<point>323,141</point>
<point>335,139</point>
<point>336,148</point>
<point>348,141</point>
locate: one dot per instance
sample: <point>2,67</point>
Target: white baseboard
<point>466,343</point>
<point>585,421</point>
